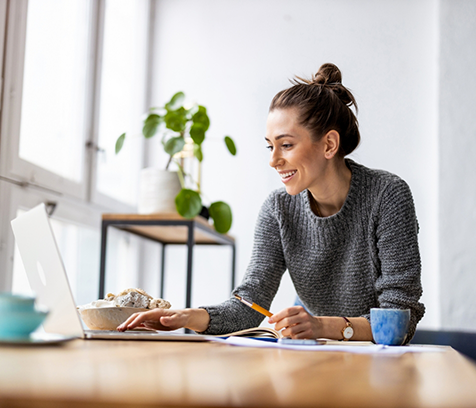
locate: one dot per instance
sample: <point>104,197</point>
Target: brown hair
<point>324,104</point>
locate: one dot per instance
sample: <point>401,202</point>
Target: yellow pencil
<point>254,306</point>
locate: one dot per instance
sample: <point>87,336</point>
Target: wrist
<point>331,327</point>
<point>197,319</point>
<point>347,330</point>
<point>318,329</point>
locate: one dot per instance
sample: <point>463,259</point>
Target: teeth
<point>285,175</point>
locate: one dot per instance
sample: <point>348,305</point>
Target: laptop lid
<point>45,270</point>
<point>47,276</point>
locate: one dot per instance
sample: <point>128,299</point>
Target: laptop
<point>47,276</point>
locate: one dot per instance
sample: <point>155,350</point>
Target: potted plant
<point>183,132</point>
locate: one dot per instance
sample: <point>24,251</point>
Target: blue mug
<point>18,316</point>
<point>389,326</point>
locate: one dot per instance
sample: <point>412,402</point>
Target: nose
<point>275,159</point>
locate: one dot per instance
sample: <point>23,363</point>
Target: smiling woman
<point>313,128</point>
<point>347,234</point>
<point>303,163</point>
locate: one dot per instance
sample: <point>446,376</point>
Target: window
<point>123,97</point>
<point>55,79</point>
<point>75,76</point>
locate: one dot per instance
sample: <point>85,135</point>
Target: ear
<point>332,143</point>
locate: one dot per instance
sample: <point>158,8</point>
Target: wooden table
<point>167,229</point>
<point>124,374</point>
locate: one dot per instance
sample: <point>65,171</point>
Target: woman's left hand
<point>297,323</point>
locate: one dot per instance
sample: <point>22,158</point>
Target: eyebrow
<point>279,137</point>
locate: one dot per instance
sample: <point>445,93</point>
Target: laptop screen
<point>45,270</point>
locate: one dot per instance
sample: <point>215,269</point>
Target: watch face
<point>348,332</point>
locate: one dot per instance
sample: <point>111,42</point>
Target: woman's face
<point>299,161</point>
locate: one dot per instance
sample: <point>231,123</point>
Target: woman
<point>347,234</point>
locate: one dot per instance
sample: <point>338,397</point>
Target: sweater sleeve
<point>261,280</point>
<point>399,284</point>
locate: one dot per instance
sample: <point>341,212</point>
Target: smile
<point>286,176</point>
<point>289,174</point>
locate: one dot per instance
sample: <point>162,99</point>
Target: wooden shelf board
<point>175,234</point>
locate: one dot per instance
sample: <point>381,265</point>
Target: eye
<point>270,148</point>
<point>287,145</point>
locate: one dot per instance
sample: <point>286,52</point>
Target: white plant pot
<point>157,191</point>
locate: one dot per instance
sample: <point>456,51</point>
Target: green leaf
<point>197,133</point>
<point>153,117</point>
<point>230,144</point>
<point>150,129</point>
<point>188,203</point>
<point>175,102</point>
<point>193,110</point>
<point>197,151</point>
<point>201,117</point>
<point>220,212</point>
<point>120,142</point>
<point>151,125</point>
<point>176,120</point>
<point>174,145</point>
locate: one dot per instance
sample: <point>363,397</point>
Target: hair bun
<point>323,104</point>
<point>328,74</point>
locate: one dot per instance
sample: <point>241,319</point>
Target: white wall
<point>457,157</point>
<point>234,56</point>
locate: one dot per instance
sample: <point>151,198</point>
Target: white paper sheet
<point>360,349</point>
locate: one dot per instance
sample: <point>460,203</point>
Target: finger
<point>167,320</point>
<point>135,320</point>
<point>172,321</point>
<point>140,318</point>
<point>297,332</point>
<point>294,316</point>
<point>304,335</point>
<point>289,311</point>
<point>300,335</point>
<point>131,323</point>
<point>151,325</point>
<point>124,324</point>
<point>299,318</point>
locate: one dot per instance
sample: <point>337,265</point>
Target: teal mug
<point>389,326</point>
<point>18,316</point>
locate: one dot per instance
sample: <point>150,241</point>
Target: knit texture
<point>364,256</point>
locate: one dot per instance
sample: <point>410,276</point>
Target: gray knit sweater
<point>364,256</point>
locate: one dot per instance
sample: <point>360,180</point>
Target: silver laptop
<point>47,276</point>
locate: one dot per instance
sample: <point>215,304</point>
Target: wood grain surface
<point>98,373</point>
<point>170,234</point>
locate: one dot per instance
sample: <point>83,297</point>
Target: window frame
<point>77,203</point>
<point>94,195</point>
<point>15,167</point>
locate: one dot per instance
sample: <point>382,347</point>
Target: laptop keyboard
<point>114,332</point>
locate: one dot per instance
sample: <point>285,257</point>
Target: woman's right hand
<point>167,319</point>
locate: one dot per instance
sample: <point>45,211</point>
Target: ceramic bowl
<point>10,302</point>
<point>107,318</point>
<point>20,324</point>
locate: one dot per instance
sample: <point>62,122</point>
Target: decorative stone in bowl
<point>108,313</point>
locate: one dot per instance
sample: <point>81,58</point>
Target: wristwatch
<point>348,330</point>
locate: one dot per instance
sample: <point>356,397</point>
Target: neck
<point>330,194</point>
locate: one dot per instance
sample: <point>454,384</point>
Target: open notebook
<point>270,333</point>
